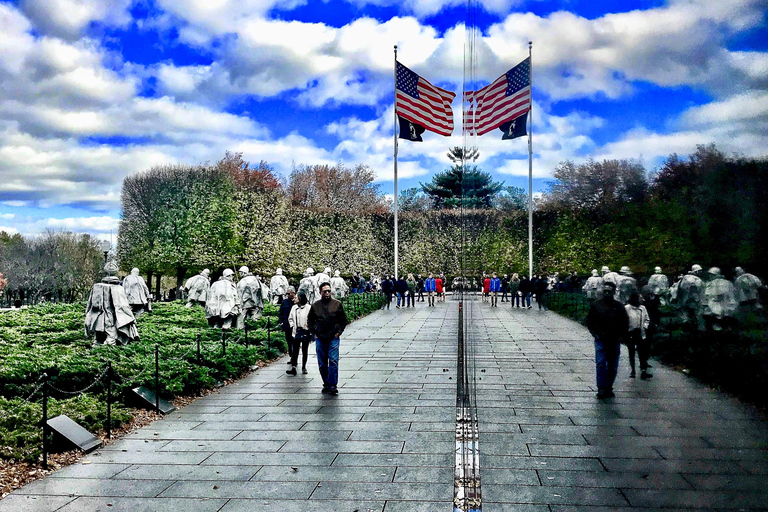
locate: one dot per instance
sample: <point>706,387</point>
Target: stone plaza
<point>386,442</point>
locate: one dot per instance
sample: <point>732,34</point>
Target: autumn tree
<point>337,188</point>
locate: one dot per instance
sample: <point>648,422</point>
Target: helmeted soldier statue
<point>251,295</point>
<point>278,285</point>
<point>339,288</point>
<point>108,316</point>
<point>308,285</point>
<point>659,284</point>
<point>137,292</point>
<point>223,305</point>
<point>197,288</point>
<point>594,285</point>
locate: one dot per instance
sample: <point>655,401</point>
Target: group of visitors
<point>516,290</point>
<point>411,289</point>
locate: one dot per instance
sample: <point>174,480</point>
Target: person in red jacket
<point>486,287</point>
<point>439,288</point>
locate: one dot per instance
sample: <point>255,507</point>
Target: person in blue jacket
<point>431,288</point>
<point>494,290</point>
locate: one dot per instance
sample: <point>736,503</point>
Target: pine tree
<point>462,184</point>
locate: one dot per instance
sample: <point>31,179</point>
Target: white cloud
<point>9,230</point>
<point>69,18</point>
<point>102,224</point>
<point>7,216</point>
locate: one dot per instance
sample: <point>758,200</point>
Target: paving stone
<point>166,472</point>
<point>270,459</point>
<point>19,503</point>
<point>323,474</point>
<point>85,504</point>
<point>78,470</point>
<point>241,505</point>
<point>370,491</point>
<point>249,490</point>
<point>553,495</point>
<point>94,487</point>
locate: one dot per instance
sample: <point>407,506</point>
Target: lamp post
<point>105,247</point>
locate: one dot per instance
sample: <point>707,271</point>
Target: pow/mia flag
<point>515,128</point>
<point>410,130</point>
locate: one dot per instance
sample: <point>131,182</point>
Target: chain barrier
<point>26,400</point>
<point>85,389</point>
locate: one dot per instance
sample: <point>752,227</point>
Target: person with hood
<point>298,320</point>
<point>401,287</point>
<point>430,286</point>
<point>137,293</point>
<point>108,316</point>
<point>278,286</point>
<point>486,287</point>
<point>223,305</point>
<point>420,288</point>
<point>541,287</point>
<point>636,340</point>
<point>611,277</point>
<point>494,288</point>
<point>608,322</point>
<point>593,286</point>
<point>327,321</point>
<point>251,297</point>
<point>197,288</point>
<point>338,286</point>
<point>387,288</point>
<point>308,285</point>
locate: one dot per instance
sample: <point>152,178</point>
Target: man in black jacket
<point>387,287</point>
<point>608,322</point>
<point>327,322</point>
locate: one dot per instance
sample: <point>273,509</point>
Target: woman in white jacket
<point>638,323</point>
<point>297,319</point>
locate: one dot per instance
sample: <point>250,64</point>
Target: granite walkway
<point>385,443</point>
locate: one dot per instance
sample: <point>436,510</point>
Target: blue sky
<point>95,90</point>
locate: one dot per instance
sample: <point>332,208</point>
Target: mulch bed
<point>14,474</point>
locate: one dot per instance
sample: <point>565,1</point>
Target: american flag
<point>422,103</point>
<point>507,98</point>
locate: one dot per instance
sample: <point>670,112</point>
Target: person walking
<point>411,281</point>
<point>298,321</point>
<point>327,321</point>
<point>285,312</point>
<point>608,322</point>
<point>439,291</point>
<point>639,320</point>
<point>504,288</point>
<point>525,292</point>
<point>514,287</point>
<point>420,286</point>
<point>494,288</point>
<point>387,287</point>
<point>430,286</point>
<point>401,287</point>
<point>541,288</point>
<point>486,287</point>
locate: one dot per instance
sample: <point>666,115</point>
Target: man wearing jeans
<point>608,322</point>
<point>327,321</point>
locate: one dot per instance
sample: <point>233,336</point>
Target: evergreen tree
<point>462,184</point>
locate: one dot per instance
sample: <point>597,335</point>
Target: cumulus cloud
<point>69,18</point>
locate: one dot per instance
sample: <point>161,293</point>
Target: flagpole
<point>530,164</point>
<point>395,132</point>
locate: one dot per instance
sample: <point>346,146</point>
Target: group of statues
<point>113,307</point>
<point>704,299</point>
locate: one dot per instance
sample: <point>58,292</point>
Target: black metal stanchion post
<point>157,378</point>
<point>246,334</point>
<point>269,336</point>
<point>223,343</point>
<point>109,400</point>
<point>198,349</point>
<point>45,421</point>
